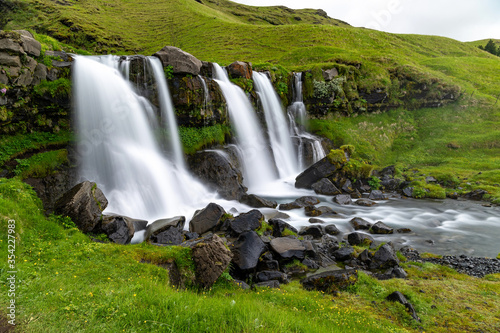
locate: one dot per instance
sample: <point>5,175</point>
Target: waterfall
<point>280,136</point>
<point>117,148</point>
<point>310,149</point>
<point>169,120</point>
<point>258,167</point>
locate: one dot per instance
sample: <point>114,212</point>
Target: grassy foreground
<point>67,283</point>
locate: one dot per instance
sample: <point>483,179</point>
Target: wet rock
<point>247,250</point>
<point>365,202</point>
<point>408,191</point>
<point>40,74</point>
<point>377,195</point>
<point>211,258</point>
<point>347,186</point>
<point>321,169</point>
<point>218,173</point>
<point>400,298</point>
<point>315,220</point>
<point>332,229</point>
<point>475,195</point>
<point>251,220</point>
<point>390,184</point>
<point>315,231</point>
<point>166,231</point>
<point>359,238</point>
<point>279,227</point>
<point>342,199</point>
<point>182,62</point>
<point>380,228</point>
<point>331,282</point>
<point>206,219</point>
<point>255,201</point>
<point>288,248</point>
<point>269,265</point>
<point>84,204</point>
<point>360,224</point>
<point>319,211</point>
<point>299,203</point>
<point>325,187</point>
<point>139,225</point>
<point>403,231</point>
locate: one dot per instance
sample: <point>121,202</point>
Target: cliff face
<point>35,87</point>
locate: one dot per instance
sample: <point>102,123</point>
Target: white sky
<point>464,20</point>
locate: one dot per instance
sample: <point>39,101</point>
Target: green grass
<point>459,142</point>
<point>66,282</point>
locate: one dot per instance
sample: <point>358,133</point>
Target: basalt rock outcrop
<point>22,66</point>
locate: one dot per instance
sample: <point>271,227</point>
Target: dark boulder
<point>218,173</point>
<point>300,203</point>
<point>316,231</point>
<point>358,238</point>
<point>331,282</point>
<point>288,248</point>
<point>319,211</point>
<point>181,62</point>
<point>255,201</point>
<point>408,191</point>
<point>315,220</point>
<point>385,258</point>
<point>321,169</point>
<point>251,220</point>
<point>360,224</point>
<point>390,184</point>
<point>365,202</point>
<point>325,187</point>
<point>211,258</point>
<point>247,250</point>
<point>264,276</point>
<point>344,253</point>
<point>166,231</point>
<point>377,195</point>
<point>279,227</point>
<point>347,186</point>
<point>342,199</point>
<point>84,204</point>
<point>206,219</point>
<point>119,229</point>
<point>381,228</point>
<point>332,229</point>
<point>475,195</point>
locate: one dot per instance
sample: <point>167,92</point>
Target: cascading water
<point>280,137</point>
<point>169,121</point>
<point>298,118</point>
<point>118,150</point>
<point>258,167</point>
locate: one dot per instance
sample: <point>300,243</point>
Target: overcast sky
<point>464,20</point>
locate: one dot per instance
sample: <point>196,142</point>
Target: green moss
<point>264,227</point>
<point>288,232</point>
<point>194,139</point>
<point>58,88</point>
<point>42,164</point>
<point>337,157</point>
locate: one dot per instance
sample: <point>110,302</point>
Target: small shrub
<point>374,183</point>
